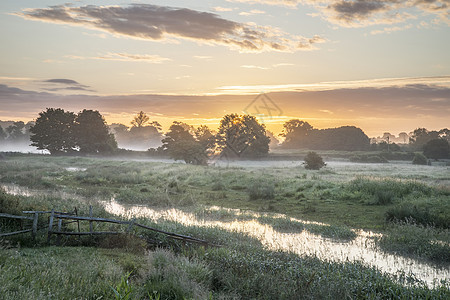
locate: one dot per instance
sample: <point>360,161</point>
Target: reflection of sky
<point>360,249</point>
<point>301,45</point>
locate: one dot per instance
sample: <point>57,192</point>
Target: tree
<point>16,131</point>
<point>295,132</point>
<point>92,134</point>
<point>242,136</point>
<point>436,149</point>
<point>2,134</point>
<point>183,142</point>
<point>53,131</point>
<point>421,136</point>
<point>313,161</point>
<point>140,119</point>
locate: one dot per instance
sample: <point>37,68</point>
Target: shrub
<point>313,161</point>
<point>419,159</point>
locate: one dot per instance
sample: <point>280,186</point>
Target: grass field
<point>409,205</point>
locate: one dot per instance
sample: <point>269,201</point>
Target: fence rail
<point>60,216</point>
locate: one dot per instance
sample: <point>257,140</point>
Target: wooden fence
<point>59,217</point>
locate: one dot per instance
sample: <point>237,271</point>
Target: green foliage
<point>242,136</point>
<point>123,290</point>
<point>313,161</point>
<point>332,231</point>
<point>385,191</point>
<point>92,134</point>
<point>285,225</point>
<point>425,242</point>
<point>437,149</point>
<point>185,143</point>
<point>419,159</point>
<point>53,131</point>
<point>300,134</point>
<point>60,132</point>
<point>426,211</point>
<point>261,190</point>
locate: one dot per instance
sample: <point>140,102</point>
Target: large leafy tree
<point>53,131</point>
<point>436,149</point>
<point>421,136</point>
<point>242,136</point>
<point>184,142</point>
<point>295,132</point>
<point>92,134</point>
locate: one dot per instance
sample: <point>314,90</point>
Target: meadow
<point>406,207</point>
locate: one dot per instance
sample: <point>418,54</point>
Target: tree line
<point>238,136</point>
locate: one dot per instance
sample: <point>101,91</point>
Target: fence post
<point>35,225</point>
<point>50,226</point>
<point>130,226</point>
<point>58,238</point>
<point>91,229</point>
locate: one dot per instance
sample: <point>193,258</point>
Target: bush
<point>419,159</point>
<point>313,161</point>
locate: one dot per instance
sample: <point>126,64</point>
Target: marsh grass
<point>416,240</point>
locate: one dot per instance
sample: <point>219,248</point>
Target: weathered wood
<point>35,225</point>
<point>58,238</point>
<point>45,212</point>
<point>180,236</point>
<point>94,219</point>
<point>78,221</point>
<point>85,233</point>
<point>15,217</point>
<point>15,232</point>
<point>50,225</point>
<point>130,226</point>
<point>91,228</point>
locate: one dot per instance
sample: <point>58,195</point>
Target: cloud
<point>61,84</point>
<point>63,81</point>
<point>389,30</point>
<point>361,13</point>
<point>252,12</point>
<point>159,23</point>
<point>222,9</point>
<point>254,67</point>
<point>155,59</point>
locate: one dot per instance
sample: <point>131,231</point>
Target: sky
<point>381,65</point>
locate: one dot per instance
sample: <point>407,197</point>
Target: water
<point>362,248</point>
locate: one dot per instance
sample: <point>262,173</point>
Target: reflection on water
<point>362,248</point>
<point>75,169</point>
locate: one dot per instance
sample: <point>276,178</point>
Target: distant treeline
<point>238,136</point>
